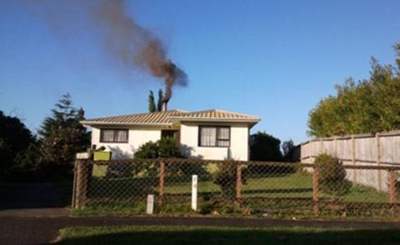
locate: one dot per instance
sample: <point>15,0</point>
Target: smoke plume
<point>121,36</point>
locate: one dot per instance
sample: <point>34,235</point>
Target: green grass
<point>297,185</point>
<point>165,235</point>
<point>276,196</point>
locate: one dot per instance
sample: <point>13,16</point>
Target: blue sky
<point>274,59</point>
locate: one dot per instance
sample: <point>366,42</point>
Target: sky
<point>274,59</point>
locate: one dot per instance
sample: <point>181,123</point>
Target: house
<point>209,134</point>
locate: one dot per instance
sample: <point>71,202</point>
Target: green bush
<point>164,148</point>
<point>225,177</point>
<point>332,175</point>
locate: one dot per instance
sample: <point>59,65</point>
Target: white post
<point>194,192</point>
<point>150,204</point>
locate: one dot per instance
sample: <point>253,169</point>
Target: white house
<point>210,134</point>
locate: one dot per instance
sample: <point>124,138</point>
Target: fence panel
<point>231,188</point>
<point>382,149</point>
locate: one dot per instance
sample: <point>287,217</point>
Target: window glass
<point>214,136</point>
<point>207,136</point>
<point>114,135</point>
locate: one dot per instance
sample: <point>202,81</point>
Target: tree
<point>15,139</point>
<point>289,151</point>
<point>151,102</point>
<point>62,135</point>
<point>265,147</point>
<point>160,100</point>
<point>368,106</point>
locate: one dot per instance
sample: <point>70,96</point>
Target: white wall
<point>136,138</point>
<point>238,150</point>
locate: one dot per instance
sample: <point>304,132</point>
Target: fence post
<point>315,196</point>
<point>378,160</point>
<point>392,187</point>
<point>161,183</point>
<point>238,182</point>
<point>81,180</point>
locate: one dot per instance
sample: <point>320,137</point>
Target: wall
<point>238,150</point>
<point>137,137</point>
<point>381,149</point>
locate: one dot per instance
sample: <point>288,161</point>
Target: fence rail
<point>228,187</point>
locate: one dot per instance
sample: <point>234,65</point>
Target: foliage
<point>225,177</point>
<point>152,106</point>
<point>151,102</point>
<point>163,148</point>
<point>265,147</point>
<point>289,151</point>
<point>62,135</point>
<point>332,175</point>
<point>15,140</point>
<point>160,100</point>
<point>367,106</point>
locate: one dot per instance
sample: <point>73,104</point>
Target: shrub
<point>332,175</point>
<point>164,148</point>
<point>225,177</point>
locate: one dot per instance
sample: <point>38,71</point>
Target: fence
<point>381,149</point>
<point>182,186</point>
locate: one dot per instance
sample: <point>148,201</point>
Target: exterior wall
<point>238,150</point>
<point>136,138</point>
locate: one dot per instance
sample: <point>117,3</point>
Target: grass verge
<point>218,235</point>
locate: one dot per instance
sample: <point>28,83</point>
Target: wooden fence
<point>381,149</point>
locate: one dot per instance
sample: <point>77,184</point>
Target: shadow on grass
<point>209,236</point>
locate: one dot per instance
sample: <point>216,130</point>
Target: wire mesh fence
<point>183,186</point>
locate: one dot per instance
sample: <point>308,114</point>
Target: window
<point>114,135</point>
<point>214,136</point>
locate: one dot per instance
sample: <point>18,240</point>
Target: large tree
<point>368,106</point>
<point>62,135</point>
<point>15,139</point>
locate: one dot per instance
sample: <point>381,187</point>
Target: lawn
<point>296,185</point>
<point>223,235</point>
<point>272,195</point>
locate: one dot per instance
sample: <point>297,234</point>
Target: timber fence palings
<point>381,149</point>
<point>228,187</point>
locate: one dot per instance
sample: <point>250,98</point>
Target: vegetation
<point>289,152</point>
<point>225,235</point>
<point>23,157</point>
<point>61,136</point>
<point>17,145</point>
<point>368,106</point>
<point>332,175</point>
<point>152,106</point>
<point>163,148</point>
<point>265,147</point>
<point>226,178</point>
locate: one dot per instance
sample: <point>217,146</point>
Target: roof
<point>168,118</point>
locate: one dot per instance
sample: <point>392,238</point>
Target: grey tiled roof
<point>167,118</point>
